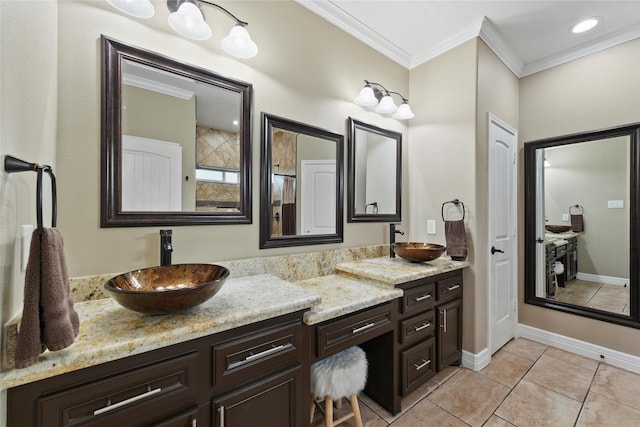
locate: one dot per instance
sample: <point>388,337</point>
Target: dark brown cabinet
<point>449,338</point>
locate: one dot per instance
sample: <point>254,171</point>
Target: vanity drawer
<point>144,394</point>
<point>418,365</point>
<point>418,298</point>
<point>416,328</point>
<point>353,329</point>
<point>255,355</point>
<point>449,288</point>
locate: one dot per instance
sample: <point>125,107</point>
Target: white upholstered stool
<point>342,375</point>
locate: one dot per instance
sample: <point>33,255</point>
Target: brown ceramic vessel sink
<point>167,289</point>
<point>557,228</point>
<point>418,252</point>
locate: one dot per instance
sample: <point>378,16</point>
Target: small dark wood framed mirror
<point>582,229</point>
<point>374,180</point>
<point>176,142</point>
<point>301,198</point>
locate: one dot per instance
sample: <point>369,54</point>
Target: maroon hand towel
<point>49,320</point>
<point>456,238</point>
<point>577,223</point>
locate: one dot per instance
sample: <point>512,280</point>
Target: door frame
<point>491,120</point>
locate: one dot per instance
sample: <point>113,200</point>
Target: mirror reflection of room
<point>586,219</point>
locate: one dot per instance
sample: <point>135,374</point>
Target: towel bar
<point>13,164</point>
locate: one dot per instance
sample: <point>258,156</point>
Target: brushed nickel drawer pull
<point>451,288</point>
<point>422,365</point>
<point>423,297</point>
<point>125,402</point>
<point>194,422</point>
<point>421,327</point>
<point>221,412</point>
<point>260,355</point>
<point>363,328</point>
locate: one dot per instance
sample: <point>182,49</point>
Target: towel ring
<point>580,210</point>
<point>13,164</point>
<point>455,202</point>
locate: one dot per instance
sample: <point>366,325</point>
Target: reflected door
<point>318,215</point>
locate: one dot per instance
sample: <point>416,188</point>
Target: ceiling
<point>529,36</point>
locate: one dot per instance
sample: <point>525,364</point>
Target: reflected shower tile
<point>599,411</point>
<point>560,376</point>
<point>617,384</point>
<point>525,348</point>
<point>531,405</point>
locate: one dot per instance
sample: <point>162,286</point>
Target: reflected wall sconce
<point>375,95</point>
<point>188,20</point>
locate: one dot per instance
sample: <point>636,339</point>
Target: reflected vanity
<point>301,184</point>
<point>175,142</point>
<point>375,174</point>
<point>591,270</point>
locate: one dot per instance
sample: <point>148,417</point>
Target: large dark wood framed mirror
<point>176,142</point>
<point>582,229</point>
<point>374,183</point>
<point>301,199</point>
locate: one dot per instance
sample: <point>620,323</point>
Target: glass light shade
<point>404,112</point>
<point>135,8</point>
<point>386,105</point>
<point>366,98</point>
<point>189,22</point>
<point>239,44</point>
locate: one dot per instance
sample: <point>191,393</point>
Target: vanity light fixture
<point>135,8</point>
<point>375,95</point>
<point>585,25</point>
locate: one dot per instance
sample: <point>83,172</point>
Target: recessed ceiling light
<point>585,25</point>
<point>235,123</point>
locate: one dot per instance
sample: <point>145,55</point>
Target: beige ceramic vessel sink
<point>167,289</point>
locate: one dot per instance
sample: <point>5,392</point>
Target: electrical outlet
<point>431,226</point>
<point>27,231</point>
<point>565,217</point>
<point>615,204</point>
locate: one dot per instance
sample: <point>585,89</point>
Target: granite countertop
<point>394,271</point>
<point>343,294</point>
<point>559,239</point>
<point>108,331</point>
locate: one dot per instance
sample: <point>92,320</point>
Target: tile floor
<point>526,384</point>
<point>601,296</point>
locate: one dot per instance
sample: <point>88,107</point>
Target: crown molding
<point>445,46</point>
<point>141,82</point>
<point>490,35</point>
<point>347,23</point>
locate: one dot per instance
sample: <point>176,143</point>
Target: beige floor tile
<point>407,402</point>
<point>470,396</point>
<point>608,303</point>
<point>616,291</point>
<point>426,414</point>
<point>495,421</point>
<point>599,411</point>
<point>445,374</point>
<point>525,348</point>
<point>574,359</point>
<point>530,405</point>
<point>617,384</point>
<point>573,298</point>
<point>507,368</point>
<point>369,417</point>
<point>562,377</point>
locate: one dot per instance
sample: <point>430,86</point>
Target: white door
<point>151,175</point>
<point>318,197</point>
<point>503,286</point>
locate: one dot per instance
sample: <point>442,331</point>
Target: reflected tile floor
<point>526,384</point>
<point>601,296</point>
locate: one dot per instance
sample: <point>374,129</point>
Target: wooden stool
<point>341,375</point>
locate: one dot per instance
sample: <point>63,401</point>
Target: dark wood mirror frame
<point>633,132</point>
<point>111,214</point>
<point>353,125</point>
<point>269,122</point>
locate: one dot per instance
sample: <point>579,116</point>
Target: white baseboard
<point>609,280</point>
<point>583,348</point>
<point>477,361</point>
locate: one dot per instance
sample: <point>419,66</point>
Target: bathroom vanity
<point>243,358</point>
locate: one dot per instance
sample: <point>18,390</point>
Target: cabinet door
<point>195,417</point>
<point>272,402</point>
<point>449,345</point>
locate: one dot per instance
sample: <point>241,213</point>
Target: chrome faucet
<point>165,247</point>
<point>392,239</point>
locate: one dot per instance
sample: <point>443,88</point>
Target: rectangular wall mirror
<point>374,183</point>
<point>175,142</point>
<point>301,184</point>
<point>582,225</point>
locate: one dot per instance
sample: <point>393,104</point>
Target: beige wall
<point>598,91</point>
<point>294,76</point>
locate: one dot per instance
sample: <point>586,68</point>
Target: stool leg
<point>339,403</point>
<point>313,406</point>
<point>353,399</point>
<point>328,411</point>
